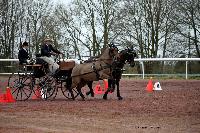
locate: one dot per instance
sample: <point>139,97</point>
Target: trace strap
<point>97,70</point>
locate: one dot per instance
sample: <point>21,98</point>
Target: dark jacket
<point>23,56</point>
<point>47,49</point>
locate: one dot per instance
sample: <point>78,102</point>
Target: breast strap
<point>96,71</point>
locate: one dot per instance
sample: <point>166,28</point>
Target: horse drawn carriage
<point>34,79</point>
<point>70,77</point>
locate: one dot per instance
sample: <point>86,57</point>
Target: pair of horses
<point>108,66</point>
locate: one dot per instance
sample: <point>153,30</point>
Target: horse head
<point>128,55</point>
<point>113,50</point>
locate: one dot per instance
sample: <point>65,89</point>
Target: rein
<point>97,70</point>
<point>103,59</point>
<point>99,60</point>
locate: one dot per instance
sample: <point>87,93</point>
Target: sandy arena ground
<point>175,109</point>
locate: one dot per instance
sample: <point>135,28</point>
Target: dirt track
<point>175,109</point>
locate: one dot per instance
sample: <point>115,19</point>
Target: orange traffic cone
<point>9,96</point>
<point>3,98</point>
<point>149,87</point>
<point>98,89</point>
<point>37,94</point>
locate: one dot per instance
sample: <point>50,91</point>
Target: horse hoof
<point>112,90</point>
<point>88,93</point>
<point>120,98</point>
<point>105,97</point>
<point>83,98</point>
<point>92,94</point>
<point>73,99</point>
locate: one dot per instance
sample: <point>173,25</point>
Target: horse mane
<point>122,54</point>
<point>105,52</point>
<point>93,58</point>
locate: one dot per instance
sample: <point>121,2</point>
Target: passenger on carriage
<point>47,51</point>
<point>23,54</point>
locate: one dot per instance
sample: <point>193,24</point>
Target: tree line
<point>156,28</point>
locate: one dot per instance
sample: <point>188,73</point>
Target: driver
<point>47,51</point>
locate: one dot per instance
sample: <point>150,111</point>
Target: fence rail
<point>141,60</point>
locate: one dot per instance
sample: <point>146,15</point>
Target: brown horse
<point>93,71</point>
<point>125,56</point>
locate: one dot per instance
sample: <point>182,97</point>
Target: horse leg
<point>89,84</point>
<point>88,93</point>
<point>105,95</point>
<point>109,83</point>
<point>113,85</point>
<point>72,94</point>
<point>111,88</point>
<point>80,85</point>
<point>118,91</point>
<point>68,86</point>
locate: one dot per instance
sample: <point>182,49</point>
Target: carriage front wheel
<point>67,93</point>
<point>21,86</point>
<point>47,85</point>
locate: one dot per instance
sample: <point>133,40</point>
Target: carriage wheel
<point>67,94</point>
<point>57,85</point>
<point>47,87</point>
<point>21,86</point>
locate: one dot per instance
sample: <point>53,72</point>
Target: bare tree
<point>37,11</point>
<point>188,20</point>
<point>71,30</point>
<point>20,21</point>
<point>95,19</point>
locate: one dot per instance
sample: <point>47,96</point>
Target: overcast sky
<point>62,1</point>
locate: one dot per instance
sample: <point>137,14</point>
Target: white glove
<point>28,61</point>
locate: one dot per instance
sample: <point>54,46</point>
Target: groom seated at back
<point>23,55</point>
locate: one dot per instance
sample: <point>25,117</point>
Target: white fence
<point>167,59</point>
<point>142,60</point>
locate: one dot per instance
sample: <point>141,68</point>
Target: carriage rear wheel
<point>21,86</point>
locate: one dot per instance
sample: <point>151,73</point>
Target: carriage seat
<point>65,70</point>
<point>66,65</point>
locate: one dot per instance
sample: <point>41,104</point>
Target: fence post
<point>186,70</point>
<point>142,69</point>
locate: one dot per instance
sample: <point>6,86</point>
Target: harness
<point>96,71</point>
